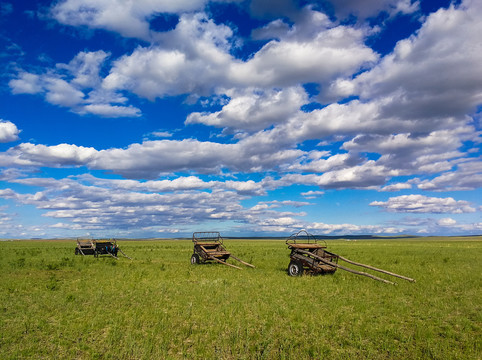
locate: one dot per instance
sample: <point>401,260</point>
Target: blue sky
<point>254,118</point>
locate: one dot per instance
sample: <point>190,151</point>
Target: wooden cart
<point>209,246</point>
<point>306,252</point>
<point>308,255</point>
<point>98,247</point>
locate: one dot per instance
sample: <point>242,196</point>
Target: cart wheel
<point>76,251</point>
<point>195,259</point>
<point>295,268</point>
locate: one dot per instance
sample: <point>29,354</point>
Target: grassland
<point>54,305</point>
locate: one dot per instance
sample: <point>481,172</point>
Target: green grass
<point>54,304</point>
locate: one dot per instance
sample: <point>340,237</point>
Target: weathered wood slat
<point>218,253</point>
<point>213,251</point>
<point>306,246</point>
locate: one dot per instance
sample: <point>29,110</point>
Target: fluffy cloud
<point>332,163</point>
<point>76,85</point>
<point>130,19</point>
<point>435,74</point>
<point>89,203</point>
<point>31,155</point>
<point>114,111</point>
<point>354,229</point>
<point>85,68</point>
<point>438,226</point>
<point>8,131</point>
<point>369,8</point>
<point>153,157</point>
<point>342,120</point>
<point>178,184</point>
<point>467,176</point>
<point>312,51</point>
<point>396,187</point>
<point>254,110</point>
<point>410,154</point>
<point>276,203</point>
<point>447,222</point>
<point>312,194</point>
<point>26,83</point>
<point>139,207</point>
<point>192,58</point>
<point>161,134</point>
<point>366,175</point>
<point>60,92</point>
<point>425,204</point>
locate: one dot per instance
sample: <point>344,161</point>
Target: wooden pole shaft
<point>115,257</point>
<point>242,262</point>
<point>225,263</point>
<point>345,268</point>
<point>376,269</point>
<point>124,254</point>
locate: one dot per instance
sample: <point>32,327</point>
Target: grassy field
<point>55,305</point>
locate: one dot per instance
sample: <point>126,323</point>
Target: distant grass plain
<point>55,305</point>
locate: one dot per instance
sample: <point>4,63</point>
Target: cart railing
<point>207,236</point>
<point>303,237</point>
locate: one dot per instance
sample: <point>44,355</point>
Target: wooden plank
<point>217,253</point>
<point>306,246</point>
<point>214,251</point>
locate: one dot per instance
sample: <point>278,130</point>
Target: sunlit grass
<point>54,304</point>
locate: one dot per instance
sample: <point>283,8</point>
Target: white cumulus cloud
<point>128,18</point>
<point>8,131</point>
<point>425,204</point>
